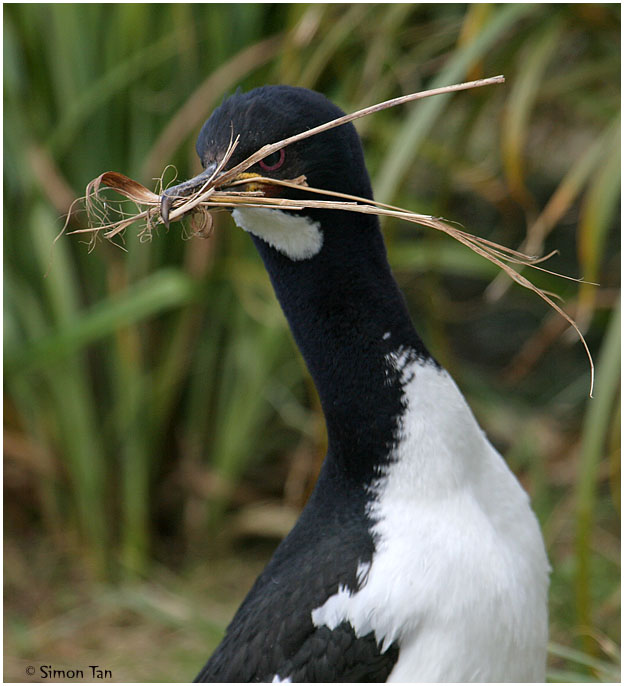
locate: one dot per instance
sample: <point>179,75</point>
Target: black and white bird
<point>417,557</point>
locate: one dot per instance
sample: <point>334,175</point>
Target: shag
<point>417,556</point>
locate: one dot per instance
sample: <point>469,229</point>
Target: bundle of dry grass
<point>219,192</point>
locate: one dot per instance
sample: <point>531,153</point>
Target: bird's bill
<point>183,190</point>
<point>186,188</point>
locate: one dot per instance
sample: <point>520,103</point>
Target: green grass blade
<point>425,114</point>
<point>595,430</point>
<point>597,214</point>
<point>113,81</point>
<point>523,95</point>
<point>157,293</point>
<point>606,671</point>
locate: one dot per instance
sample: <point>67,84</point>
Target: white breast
<point>459,576</point>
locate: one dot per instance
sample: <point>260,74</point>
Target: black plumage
<point>272,632</point>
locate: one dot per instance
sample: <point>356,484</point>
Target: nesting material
<point>220,192</point>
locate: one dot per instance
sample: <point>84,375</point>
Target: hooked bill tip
<point>166,202</point>
<point>183,190</point>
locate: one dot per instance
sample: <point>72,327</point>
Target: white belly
<point>477,611</point>
<point>459,577</point>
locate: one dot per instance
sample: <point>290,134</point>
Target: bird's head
<point>331,160</point>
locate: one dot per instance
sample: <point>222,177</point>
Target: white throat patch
<point>294,235</point>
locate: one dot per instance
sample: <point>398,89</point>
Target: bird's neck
<point>348,318</point>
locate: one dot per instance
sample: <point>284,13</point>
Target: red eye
<point>273,161</point>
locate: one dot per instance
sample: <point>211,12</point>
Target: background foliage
<point>161,432</point>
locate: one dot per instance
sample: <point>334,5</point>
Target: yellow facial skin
<point>266,188</point>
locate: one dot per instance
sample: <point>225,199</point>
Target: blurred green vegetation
<point>153,395</point>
